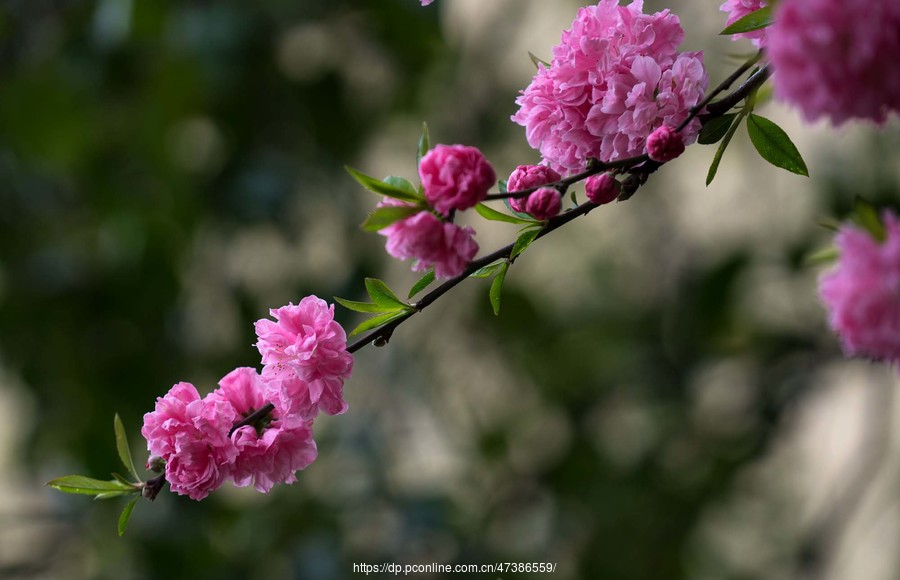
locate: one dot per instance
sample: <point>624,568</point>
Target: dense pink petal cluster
<point>544,203</point>
<point>837,59</point>
<point>614,78</point>
<point>455,177</point>
<point>736,10</point>
<point>664,144</point>
<point>272,455</point>
<point>862,294</point>
<point>305,354</point>
<point>191,435</point>
<point>306,362</point>
<point>602,188</point>
<point>431,242</point>
<point>526,177</point>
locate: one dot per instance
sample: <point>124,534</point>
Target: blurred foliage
<point>129,130</point>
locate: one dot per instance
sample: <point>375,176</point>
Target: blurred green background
<point>660,397</point>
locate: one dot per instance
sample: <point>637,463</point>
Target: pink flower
<point>526,177</point>
<point>307,350</point>
<point>426,2</point>
<point>446,247</point>
<point>544,203</point>
<point>737,9</point>
<point>833,58</point>
<point>191,435</point>
<point>455,177</point>
<point>862,294</point>
<point>270,453</point>
<point>664,144</point>
<point>615,77</point>
<point>602,188</point>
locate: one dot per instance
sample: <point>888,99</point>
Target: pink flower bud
<point>544,203</point>
<point>455,177</point>
<point>601,189</point>
<point>526,177</point>
<point>664,144</point>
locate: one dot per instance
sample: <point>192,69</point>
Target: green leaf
<point>379,320</point>
<point>774,145</point>
<point>423,283</point>
<point>489,270</point>
<point>365,306</point>
<point>424,144</point>
<point>126,515</point>
<point>497,288</point>
<point>381,187</point>
<point>714,167</point>
<point>382,217</point>
<point>382,295</point>
<point>753,21</point>
<point>502,186</point>
<point>538,61</point>
<point>88,486</point>
<point>713,131</point>
<point>496,216</point>
<point>523,241</point>
<point>113,494</point>
<point>122,447</point>
<point>400,183</point>
<point>824,256</point>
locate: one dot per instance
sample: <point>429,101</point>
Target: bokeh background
<point>659,399</point>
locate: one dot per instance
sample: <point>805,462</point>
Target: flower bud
<point>526,177</point>
<point>601,189</point>
<point>664,144</point>
<point>544,203</point>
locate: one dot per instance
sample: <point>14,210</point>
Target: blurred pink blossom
<point>862,293</point>
<point>431,242</point>
<point>455,177</point>
<point>837,58</point>
<point>615,77</point>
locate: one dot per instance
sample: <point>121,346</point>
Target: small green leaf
<point>496,216</point>
<point>382,295</point>
<point>423,283</point>
<point>717,158</point>
<point>753,21</point>
<point>865,215</point>
<point>489,270</point>
<point>400,183</point>
<point>113,494</point>
<point>365,306</point>
<point>497,288</point>
<point>382,188</point>
<point>126,515</point>
<point>122,447</point>
<point>501,186</point>
<point>537,61</point>
<point>523,241</point>
<point>379,320</point>
<point>89,486</point>
<point>714,130</point>
<point>424,144</point>
<point>774,145</point>
<point>824,256</point>
<point>382,217</point>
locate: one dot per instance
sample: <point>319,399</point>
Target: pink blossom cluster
<point>837,58</point>
<point>615,77</point>
<point>736,10</point>
<point>862,294</point>
<point>454,178</point>
<point>305,364</point>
